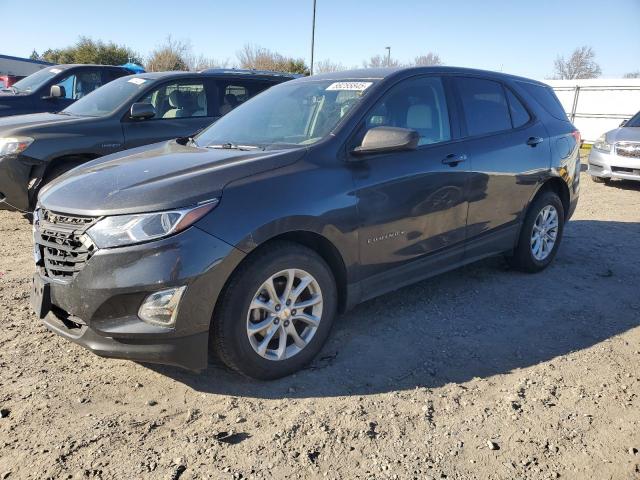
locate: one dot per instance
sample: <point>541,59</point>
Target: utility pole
<point>313,36</point>
<point>388,55</point>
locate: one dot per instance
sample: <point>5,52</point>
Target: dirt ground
<point>481,373</point>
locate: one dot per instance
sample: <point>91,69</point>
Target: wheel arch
<point>42,172</point>
<point>558,186</point>
<point>316,242</point>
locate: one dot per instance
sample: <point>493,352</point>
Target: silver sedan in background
<point>616,154</point>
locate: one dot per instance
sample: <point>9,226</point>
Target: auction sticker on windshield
<point>352,86</point>
<point>137,81</point>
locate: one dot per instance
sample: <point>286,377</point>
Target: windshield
<point>296,113</point>
<point>108,98</point>
<point>633,121</point>
<point>34,81</point>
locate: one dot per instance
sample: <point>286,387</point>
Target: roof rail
<point>239,71</point>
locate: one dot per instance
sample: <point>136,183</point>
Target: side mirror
<point>623,123</point>
<point>142,111</point>
<point>57,91</point>
<point>387,139</point>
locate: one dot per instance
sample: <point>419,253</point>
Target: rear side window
<point>547,98</point>
<point>234,92</point>
<point>519,114</point>
<point>484,105</point>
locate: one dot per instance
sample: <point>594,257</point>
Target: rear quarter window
<point>546,97</point>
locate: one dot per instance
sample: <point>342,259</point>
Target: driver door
<point>182,108</point>
<point>412,204</point>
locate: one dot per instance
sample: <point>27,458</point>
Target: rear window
<point>484,105</point>
<point>547,98</point>
<point>519,114</point>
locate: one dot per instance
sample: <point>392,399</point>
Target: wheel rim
<point>545,233</point>
<point>284,314</point>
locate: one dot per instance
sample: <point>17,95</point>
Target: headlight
<point>122,230</point>
<point>13,145</point>
<point>602,145</point>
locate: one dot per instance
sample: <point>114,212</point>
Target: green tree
<point>87,50</point>
<point>34,55</point>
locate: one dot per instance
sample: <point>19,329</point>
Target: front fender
<point>301,197</point>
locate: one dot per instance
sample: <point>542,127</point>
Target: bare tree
<point>178,55</point>
<point>260,58</point>
<point>428,59</point>
<point>632,74</point>
<point>326,66</point>
<point>379,61</point>
<point>581,64</point>
<point>171,55</point>
<point>202,63</point>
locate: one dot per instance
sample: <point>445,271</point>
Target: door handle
<point>533,141</point>
<point>454,159</point>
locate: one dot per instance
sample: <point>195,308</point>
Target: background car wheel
<point>276,312</point>
<point>600,179</point>
<point>540,234</point>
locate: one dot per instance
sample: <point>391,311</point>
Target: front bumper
<point>98,307</point>
<point>14,180</point>
<point>611,165</point>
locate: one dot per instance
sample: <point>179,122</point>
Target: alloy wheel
<point>544,233</point>
<point>284,314</point>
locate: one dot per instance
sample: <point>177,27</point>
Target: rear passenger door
<point>508,150</point>
<point>183,107</point>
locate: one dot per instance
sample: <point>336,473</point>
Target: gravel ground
<point>480,373</point>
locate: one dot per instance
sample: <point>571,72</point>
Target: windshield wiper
<point>234,146</point>
<point>11,89</point>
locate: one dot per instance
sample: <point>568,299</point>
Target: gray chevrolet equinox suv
<point>313,196</point>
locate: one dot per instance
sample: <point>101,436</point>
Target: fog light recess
<point>161,308</point>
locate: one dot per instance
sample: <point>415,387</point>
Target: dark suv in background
<point>129,112</point>
<point>318,194</point>
<point>55,88</point>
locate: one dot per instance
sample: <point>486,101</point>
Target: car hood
<point>624,134</point>
<point>34,120</point>
<point>156,177</point>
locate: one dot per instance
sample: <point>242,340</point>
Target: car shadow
<point>478,321</point>
<point>625,185</point>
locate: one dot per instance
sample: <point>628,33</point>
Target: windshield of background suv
<point>633,121</point>
<point>297,113</point>
<point>34,81</point>
<point>107,98</point>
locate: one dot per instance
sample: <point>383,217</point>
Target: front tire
<point>600,179</point>
<point>540,234</point>
<point>276,312</point>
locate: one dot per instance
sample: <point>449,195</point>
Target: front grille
<point>628,149</point>
<point>61,243</point>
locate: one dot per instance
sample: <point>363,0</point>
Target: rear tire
<point>246,318</point>
<point>540,235</point>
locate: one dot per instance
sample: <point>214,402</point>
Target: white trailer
<point>596,106</point>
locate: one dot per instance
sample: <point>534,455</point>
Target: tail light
<point>576,135</point>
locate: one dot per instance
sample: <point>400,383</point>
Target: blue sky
<point>521,37</point>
